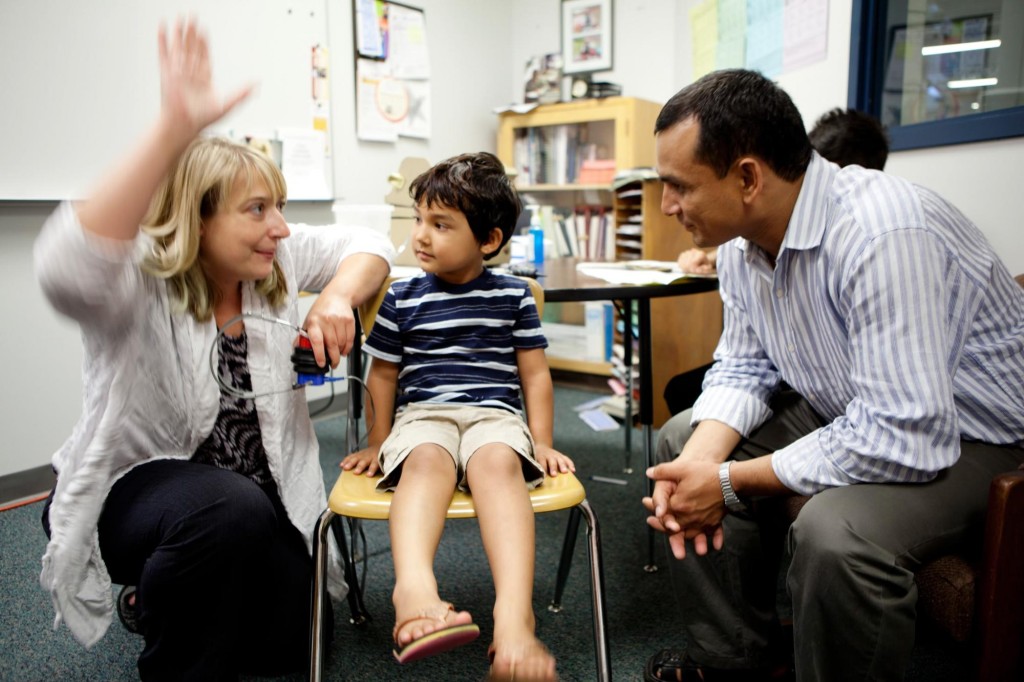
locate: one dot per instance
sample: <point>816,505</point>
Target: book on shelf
<point>595,234</point>
<point>553,155</point>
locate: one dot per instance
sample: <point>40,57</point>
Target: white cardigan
<point>149,393</point>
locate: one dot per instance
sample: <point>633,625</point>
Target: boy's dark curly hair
<point>478,186</point>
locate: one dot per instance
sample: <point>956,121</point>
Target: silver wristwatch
<point>732,501</point>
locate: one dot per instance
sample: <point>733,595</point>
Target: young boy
<point>453,346</point>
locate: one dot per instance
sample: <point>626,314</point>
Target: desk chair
<point>356,498</point>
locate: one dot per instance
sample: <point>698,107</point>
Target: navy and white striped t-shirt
<point>890,313</point>
<point>457,343</point>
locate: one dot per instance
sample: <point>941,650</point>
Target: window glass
<point>950,58</point>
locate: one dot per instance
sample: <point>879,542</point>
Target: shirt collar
<point>806,228</point>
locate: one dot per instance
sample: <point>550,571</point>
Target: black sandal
<point>127,609</point>
<point>672,665</point>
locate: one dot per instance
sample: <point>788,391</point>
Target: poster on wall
<point>392,72</point>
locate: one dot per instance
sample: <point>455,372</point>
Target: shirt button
<point>779,293</point>
<point>791,348</point>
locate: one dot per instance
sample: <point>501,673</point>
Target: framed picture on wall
<point>586,36</point>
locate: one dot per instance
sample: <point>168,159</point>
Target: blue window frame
<point>948,101</point>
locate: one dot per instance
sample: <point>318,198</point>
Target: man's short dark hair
<point>741,112</point>
<point>848,136</point>
<point>477,185</point>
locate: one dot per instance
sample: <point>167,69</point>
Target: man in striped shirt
<point>902,336</point>
<point>456,344</point>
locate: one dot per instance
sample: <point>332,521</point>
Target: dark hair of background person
<point>741,112</point>
<point>848,136</point>
<point>477,185</point>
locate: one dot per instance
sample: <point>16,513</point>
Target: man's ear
<point>493,242</point>
<point>750,175</point>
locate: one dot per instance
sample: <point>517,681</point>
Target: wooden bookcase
<point>615,128</point>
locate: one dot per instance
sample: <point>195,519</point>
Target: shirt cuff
<point>805,467</point>
<point>735,408</point>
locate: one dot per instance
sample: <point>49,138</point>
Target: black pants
<point>223,578</point>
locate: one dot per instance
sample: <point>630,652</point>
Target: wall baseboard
<point>26,484</point>
<point>33,482</point>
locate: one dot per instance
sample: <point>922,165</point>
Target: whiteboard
<point>80,81</point>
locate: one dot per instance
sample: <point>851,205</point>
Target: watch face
<point>579,88</point>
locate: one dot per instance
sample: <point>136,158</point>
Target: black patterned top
<point>235,442</point>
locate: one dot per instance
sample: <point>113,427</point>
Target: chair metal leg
<point>565,563</point>
<point>360,616</point>
<point>316,629</point>
<point>604,659</point>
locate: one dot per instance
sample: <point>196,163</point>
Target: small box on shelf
<point>597,172</point>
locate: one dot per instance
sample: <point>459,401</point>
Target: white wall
<point>478,53</point>
<point>41,354</point>
<point>469,47</point>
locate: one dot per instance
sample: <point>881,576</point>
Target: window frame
<point>868,33</point>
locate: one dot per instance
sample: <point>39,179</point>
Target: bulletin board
<point>392,71</point>
<point>81,84</point>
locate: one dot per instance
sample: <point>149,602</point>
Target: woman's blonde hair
<point>193,191</point>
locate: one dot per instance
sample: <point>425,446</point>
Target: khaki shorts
<point>461,430</point>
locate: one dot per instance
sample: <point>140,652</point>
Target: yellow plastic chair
<point>356,498</point>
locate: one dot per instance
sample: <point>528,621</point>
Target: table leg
<point>647,412</point>
<point>627,359</point>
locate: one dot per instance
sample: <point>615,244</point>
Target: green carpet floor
<point>642,617</point>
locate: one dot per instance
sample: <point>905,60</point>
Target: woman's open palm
<point>187,92</point>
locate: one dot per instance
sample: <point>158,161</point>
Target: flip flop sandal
<point>437,642</point>
<point>127,609</point>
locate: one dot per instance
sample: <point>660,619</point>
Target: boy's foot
<point>433,631</point>
<point>525,661</point>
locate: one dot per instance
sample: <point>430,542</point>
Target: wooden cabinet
<point>549,148</point>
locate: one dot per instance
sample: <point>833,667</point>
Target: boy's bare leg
<point>417,520</point>
<point>502,504</point>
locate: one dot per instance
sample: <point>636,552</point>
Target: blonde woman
<point>202,500</point>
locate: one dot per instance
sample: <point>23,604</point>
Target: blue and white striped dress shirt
<point>457,343</point>
<point>889,312</point>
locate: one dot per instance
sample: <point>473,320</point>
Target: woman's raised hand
<point>188,97</point>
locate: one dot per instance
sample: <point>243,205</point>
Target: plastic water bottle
<point>537,241</point>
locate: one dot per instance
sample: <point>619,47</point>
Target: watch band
<point>732,500</point>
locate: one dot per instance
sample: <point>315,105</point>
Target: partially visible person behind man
<point>901,334</point>
<point>848,137</point>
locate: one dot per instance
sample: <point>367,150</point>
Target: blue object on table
<point>537,232</point>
